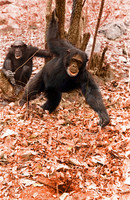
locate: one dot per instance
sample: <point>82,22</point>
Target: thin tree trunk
<point>102,58</point>
<point>96,30</point>
<point>48,17</point>
<point>86,37</point>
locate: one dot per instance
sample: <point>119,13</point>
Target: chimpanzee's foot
<point>46,106</point>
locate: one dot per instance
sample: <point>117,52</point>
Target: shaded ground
<point>65,154</point>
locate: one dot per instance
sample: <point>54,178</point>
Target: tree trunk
<point>86,37</point>
<point>8,91</point>
<point>73,33</point>
<point>96,30</point>
<point>48,17</point>
<point>60,10</point>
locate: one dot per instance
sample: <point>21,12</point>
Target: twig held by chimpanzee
<point>26,61</point>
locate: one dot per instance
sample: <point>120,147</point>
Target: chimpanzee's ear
<point>25,45</point>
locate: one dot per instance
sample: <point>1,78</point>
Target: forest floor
<point>65,155</point>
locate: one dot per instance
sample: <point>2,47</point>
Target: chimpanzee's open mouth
<point>17,57</point>
<point>72,73</point>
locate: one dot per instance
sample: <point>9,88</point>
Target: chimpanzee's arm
<point>7,65</point>
<point>93,97</point>
<point>56,45</point>
<point>38,52</point>
<point>7,70</point>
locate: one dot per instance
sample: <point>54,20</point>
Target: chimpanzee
<point>18,63</point>
<point>53,79</point>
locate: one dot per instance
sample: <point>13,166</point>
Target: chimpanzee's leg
<point>53,100</point>
<point>22,76</point>
<point>33,87</point>
<point>93,97</point>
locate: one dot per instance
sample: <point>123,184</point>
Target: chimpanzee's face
<point>74,65</point>
<point>18,53</point>
<point>18,49</point>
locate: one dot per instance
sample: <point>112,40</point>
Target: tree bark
<point>8,91</point>
<point>60,10</point>
<point>48,17</point>
<point>102,58</point>
<point>86,37</point>
<point>73,32</point>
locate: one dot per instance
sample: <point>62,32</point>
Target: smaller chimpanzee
<point>18,63</point>
<point>60,75</point>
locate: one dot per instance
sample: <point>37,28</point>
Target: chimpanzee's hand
<point>10,75</point>
<point>22,102</point>
<point>104,119</point>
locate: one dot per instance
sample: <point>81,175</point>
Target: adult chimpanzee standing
<point>18,63</point>
<point>59,75</point>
